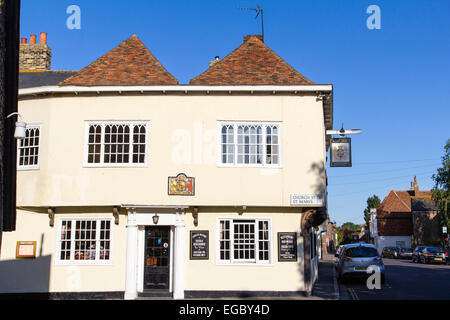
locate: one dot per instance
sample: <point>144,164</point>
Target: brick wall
<point>35,56</point>
<point>427,228</point>
<point>395,226</point>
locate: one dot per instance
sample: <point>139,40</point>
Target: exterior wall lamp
<point>21,126</point>
<point>155,218</point>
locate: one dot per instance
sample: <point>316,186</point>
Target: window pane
<point>28,148</point>
<point>83,240</point>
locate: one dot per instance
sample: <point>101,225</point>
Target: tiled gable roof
<point>396,201</point>
<point>129,64</point>
<point>400,202</point>
<point>252,63</point>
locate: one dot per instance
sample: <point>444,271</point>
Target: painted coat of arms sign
<point>341,155</point>
<point>181,185</point>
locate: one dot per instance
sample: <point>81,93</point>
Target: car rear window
<point>433,249</point>
<point>406,250</point>
<point>361,252</point>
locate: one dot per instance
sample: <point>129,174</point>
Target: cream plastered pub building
<point>131,184</point>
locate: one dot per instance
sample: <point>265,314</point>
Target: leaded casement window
<point>116,143</point>
<point>243,241</point>
<point>250,144</point>
<point>84,240</point>
<point>28,148</point>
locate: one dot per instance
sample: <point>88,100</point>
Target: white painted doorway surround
<point>140,216</point>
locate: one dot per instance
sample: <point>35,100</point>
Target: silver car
<point>355,259</point>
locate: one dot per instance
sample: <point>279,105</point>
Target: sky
<point>392,83</point>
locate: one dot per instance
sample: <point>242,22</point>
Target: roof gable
<point>252,63</point>
<point>129,64</point>
<point>396,201</point>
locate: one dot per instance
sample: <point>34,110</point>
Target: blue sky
<point>392,83</point>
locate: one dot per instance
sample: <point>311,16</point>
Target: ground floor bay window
<point>244,241</point>
<point>84,240</point>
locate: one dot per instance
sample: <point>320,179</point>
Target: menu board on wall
<point>26,249</point>
<point>199,245</point>
<point>287,246</point>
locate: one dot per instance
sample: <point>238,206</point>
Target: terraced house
<point>131,184</point>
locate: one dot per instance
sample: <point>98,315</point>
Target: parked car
<point>416,253</point>
<point>405,253</point>
<point>355,259</point>
<point>432,255</point>
<point>390,252</point>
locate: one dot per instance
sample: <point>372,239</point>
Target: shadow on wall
<point>31,276</point>
<point>426,228</point>
<point>319,169</point>
<point>22,278</point>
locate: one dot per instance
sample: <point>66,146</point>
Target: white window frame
<point>235,124</point>
<point>96,262</point>
<point>104,123</point>
<point>239,262</point>
<point>34,166</point>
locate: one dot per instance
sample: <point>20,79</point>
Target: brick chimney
<point>213,62</point>
<point>259,36</point>
<point>414,187</point>
<point>35,56</point>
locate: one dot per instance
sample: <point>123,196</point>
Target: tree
<point>372,203</point>
<point>350,226</point>
<point>441,191</point>
<point>345,231</point>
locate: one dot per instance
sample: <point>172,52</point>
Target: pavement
<point>326,287</point>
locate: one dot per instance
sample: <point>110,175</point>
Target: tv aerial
<point>258,11</point>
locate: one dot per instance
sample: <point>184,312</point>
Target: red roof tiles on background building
<point>129,64</point>
<point>252,63</point>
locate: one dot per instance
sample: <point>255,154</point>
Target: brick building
<point>328,240</point>
<point>406,218</point>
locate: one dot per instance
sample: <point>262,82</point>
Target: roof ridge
<point>401,199</point>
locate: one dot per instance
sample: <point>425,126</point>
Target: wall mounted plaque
<point>199,245</point>
<point>341,152</point>
<point>26,249</point>
<point>307,200</point>
<point>287,246</point>
<point>181,185</point>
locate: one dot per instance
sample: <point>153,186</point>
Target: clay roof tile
<point>129,64</point>
<point>252,63</point>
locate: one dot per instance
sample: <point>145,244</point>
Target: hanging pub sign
<point>181,185</point>
<point>341,152</point>
<point>287,246</point>
<point>199,245</point>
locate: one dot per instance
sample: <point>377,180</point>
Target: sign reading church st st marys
<point>306,200</point>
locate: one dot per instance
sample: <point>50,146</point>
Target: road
<point>404,280</point>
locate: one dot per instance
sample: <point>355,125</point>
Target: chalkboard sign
<point>199,245</point>
<point>287,246</point>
